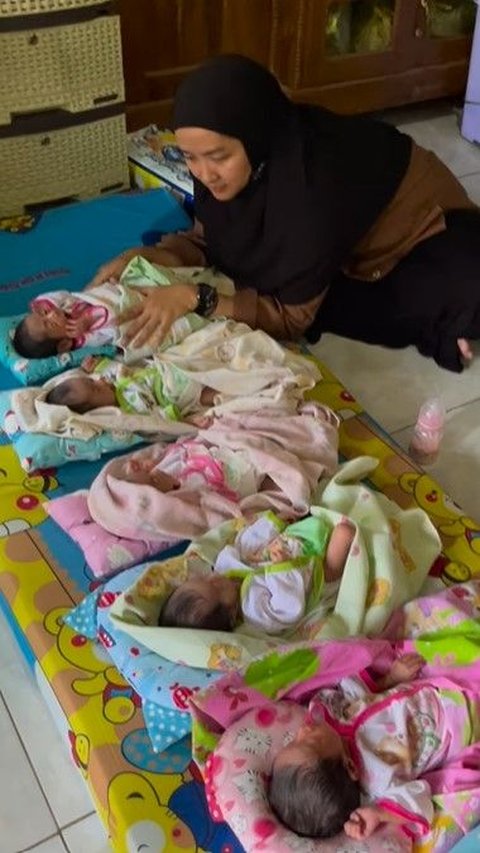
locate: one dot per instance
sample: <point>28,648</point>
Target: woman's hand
<point>150,320</point>
<point>113,268</point>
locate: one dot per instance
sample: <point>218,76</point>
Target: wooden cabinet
<point>350,55</point>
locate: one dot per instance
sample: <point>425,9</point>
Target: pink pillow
<point>104,552</point>
<point>236,781</point>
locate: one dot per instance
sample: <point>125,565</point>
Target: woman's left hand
<point>150,320</point>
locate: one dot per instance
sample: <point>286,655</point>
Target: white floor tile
<point>458,464</point>
<point>24,815</point>
<point>53,845</point>
<point>9,651</point>
<point>45,746</point>
<point>472,186</point>
<point>442,135</point>
<point>88,834</point>
<point>392,384</point>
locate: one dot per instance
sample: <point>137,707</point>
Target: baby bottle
<point>427,432</point>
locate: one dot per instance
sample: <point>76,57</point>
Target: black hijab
<point>319,180</point>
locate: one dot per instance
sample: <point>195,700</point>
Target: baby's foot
<point>465,349</point>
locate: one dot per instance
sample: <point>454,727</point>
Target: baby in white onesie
<point>265,579</point>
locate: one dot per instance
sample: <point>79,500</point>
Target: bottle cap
<point>432,414</point>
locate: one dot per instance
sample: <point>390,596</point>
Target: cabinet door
<point>350,40</point>
<point>164,39</point>
<point>443,31</point>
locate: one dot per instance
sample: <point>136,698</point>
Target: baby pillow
<point>163,686</point>
<point>104,552</point>
<point>236,783</point>
<point>35,371</point>
<point>38,450</point>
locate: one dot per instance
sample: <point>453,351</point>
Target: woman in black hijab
<point>324,223</point>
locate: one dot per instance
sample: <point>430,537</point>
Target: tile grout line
<point>448,410</point>
<point>31,765</point>
<point>35,686</point>
<point>78,819</point>
<point>42,841</point>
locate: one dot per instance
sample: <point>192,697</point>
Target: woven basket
<point>76,67</point>
<point>12,8</point>
<point>76,162</point>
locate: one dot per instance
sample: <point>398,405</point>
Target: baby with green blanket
<point>135,390</point>
<point>267,578</point>
<point>61,321</point>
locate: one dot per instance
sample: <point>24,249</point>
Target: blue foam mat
<point>66,245</point>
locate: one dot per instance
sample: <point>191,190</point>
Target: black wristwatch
<point>207,299</point>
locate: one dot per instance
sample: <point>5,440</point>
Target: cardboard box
<point>155,161</point>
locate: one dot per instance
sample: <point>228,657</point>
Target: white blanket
<point>248,370</point>
<point>33,414</point>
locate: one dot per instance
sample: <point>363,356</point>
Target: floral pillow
<point>104,552</point>
<point>236,782</point>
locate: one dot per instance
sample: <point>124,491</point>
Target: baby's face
<point>47,324</point>
<point>95,392</point>
<point>313,741</point>
<point>218,590</point>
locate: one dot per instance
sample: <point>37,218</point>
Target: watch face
<point>207,299</point>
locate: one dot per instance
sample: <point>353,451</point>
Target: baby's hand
<point>200,420</point>
<point>75,327</point>
<point>89,363</point>
<point>406,668</point>
<point>362,822</point>
<point>140,471</point>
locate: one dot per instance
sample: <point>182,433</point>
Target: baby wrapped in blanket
<point>370,749</point>
<point>138,390</point>
<point>247,370</point>
<point>266,578</point>
<point>60,321</point>
<point>240,463</point>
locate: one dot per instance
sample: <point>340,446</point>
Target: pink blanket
<point>289,454</point>
<point>443,627</point>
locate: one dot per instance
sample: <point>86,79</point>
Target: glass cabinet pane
<point>359,26</point>
<point>449,18</point>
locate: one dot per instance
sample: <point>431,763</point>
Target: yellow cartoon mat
<point>144,798</point>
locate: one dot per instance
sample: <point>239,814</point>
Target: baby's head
<point>42,334</point>
<point>314,783</point>
<point>82,394</point>
<point>212,603</point>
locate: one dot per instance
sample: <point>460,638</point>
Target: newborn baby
<point>366,750</point>
<point>134,390</point>
<point>266,579</point>
<point>60,321</point>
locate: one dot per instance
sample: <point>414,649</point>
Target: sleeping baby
<point>61,321</point>
<point>267,578</point>
<point>138,390</point>
<point>371,749</point>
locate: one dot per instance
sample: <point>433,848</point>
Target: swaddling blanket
<point>282,458</point>
<point>389,559</point>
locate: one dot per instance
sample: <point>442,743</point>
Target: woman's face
<point>219,162</point>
